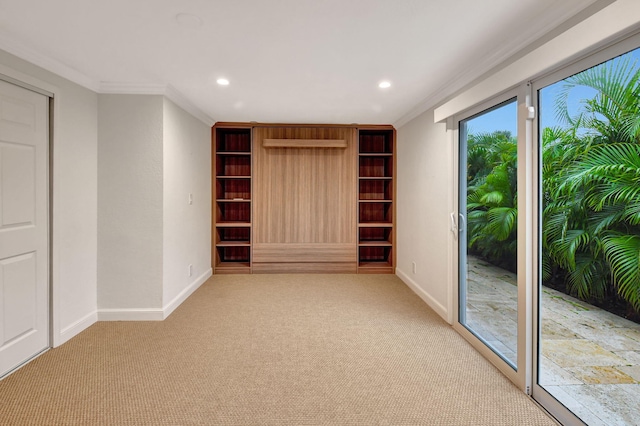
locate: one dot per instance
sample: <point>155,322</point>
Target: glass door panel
<point>588,342</point>
<point>488,292</point>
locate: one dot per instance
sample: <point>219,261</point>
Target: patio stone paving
<point>590,358</point>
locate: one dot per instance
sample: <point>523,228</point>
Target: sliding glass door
<point>548,236</point>
<point>588,295</point>
<point>488,224</point>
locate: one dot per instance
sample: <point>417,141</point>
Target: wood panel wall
<point>304,200</point>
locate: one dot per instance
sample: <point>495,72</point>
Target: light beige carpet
<point>271,350</point>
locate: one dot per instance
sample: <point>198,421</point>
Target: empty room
<point>297,212</point>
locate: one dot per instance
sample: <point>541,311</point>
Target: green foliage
<point>590,189</point>
<point>491,202</point>
<point>622,251</point>
<point>591,184</point>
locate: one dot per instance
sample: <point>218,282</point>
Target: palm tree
<point>591,181</point>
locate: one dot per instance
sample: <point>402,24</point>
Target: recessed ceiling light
<point>187,20</point>
<point>384,85</point>
<point>222,82</point>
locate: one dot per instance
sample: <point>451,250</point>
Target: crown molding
<point>462,80</point>
<point>47,63</point>
<point>166,90</point>
<point>566,18</point>
<point>179,99</point>
<point>127,88</point>
<point>121,88</point>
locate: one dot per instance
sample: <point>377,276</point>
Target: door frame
<point>520,375</point>
<point>51,91</point>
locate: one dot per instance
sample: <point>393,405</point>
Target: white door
<point>24,256</point>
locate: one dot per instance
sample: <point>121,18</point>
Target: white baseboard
<point>76,328</point>
<point>184,294</point>
<point>133,314</point>
<point>151,314</point>
<point>433,303</point>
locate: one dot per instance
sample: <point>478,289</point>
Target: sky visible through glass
<point>505,118</point>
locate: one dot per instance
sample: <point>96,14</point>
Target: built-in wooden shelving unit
<point>232,205</point>
<point>303,198</point>
<point>376,200</point>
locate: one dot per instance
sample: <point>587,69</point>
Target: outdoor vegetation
<point>590,191</point>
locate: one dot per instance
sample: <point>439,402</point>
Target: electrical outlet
<point>413,266</point>
<point>190,198</point>
<point>190,270</point>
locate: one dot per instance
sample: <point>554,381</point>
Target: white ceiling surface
<point>289,61</point>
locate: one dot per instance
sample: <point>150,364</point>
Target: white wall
<point>152,154</point>
<point>186,227</point>
<point>74,203</point>
<point>424,203</point>
<point>130,206</point>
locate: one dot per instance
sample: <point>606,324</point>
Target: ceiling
<point>293,61</point>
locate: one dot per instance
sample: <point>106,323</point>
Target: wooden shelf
<point>376,212</point>
<point>304,143</point>
<point>367,268</point>
<point>233,254</point>
<point>234,244</point>
<point>375,235</point>
<point>232,236</point>
<point>375,201</point>
<point>230,223</point>
<point>239,153</point>
<point>233,268</point>
<point>233,140</point>
<point>233,224</point>
<point>375,225</point>
<point>375,189</point>
<point>375,166</point>
<point>374,254</point>
<point>234,264</point>
<point>232,194</point>
<point>228,189</point>
<point>375,142</point>
<point>233,212</point>
<point>375,244</point>
<point>382,264</point>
